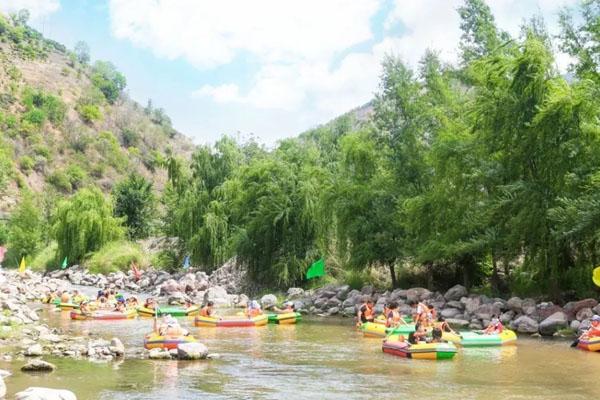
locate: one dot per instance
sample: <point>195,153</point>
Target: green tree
<point>135,202</point>
<point>25,228</point>
<point>85,223</point>
<point>110,81</point>
<point>82,52</point>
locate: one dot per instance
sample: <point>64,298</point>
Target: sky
<point>269,69</point>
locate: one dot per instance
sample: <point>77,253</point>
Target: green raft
<point>285,318</point>
<point>172,311</point>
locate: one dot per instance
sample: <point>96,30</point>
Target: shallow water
<point>318,358</point>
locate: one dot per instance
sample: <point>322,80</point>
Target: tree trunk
<point>495,280</point>
<point>393,275</point>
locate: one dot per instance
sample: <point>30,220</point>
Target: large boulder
<point>192,351</point>
<point>525,324</point>
<point>457,323</point>
<point>295,293</point>
<point>38,366</point>
<point>169,287</point>
<point>450,312</point>
<point>456,304</point>
<point>471,304</point>
<point>35,350</point>
<point>159,354</point>
<point>456,292</point>
<point>584,313</point>
<point>268,301</point>
<point>487,311</point>
<point>572,308</point>
<point>342,292</point>
<point>39,393</point>
<point>216,294</point>
<point>553,323</point>
<point>116,347</point>
<point>417,294</point>
<point>546,309</point>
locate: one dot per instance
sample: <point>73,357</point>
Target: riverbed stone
<point>159,354</point>
<point>35,350</point>
<point>553,323</point>
<point>39,393</point>
<point>216,294</point>
<point>333,311</point>
<point>584,313</point>
<point>456,292</point>
<point>575,325</point>
<point>50,337</point>
<point>507,316</point>
<point>38,366</point>
<point>450,312</point>
<point>295,293</point>
<point>455,304</point>
<point>525,324</point>
<point>192,351</point>
<point>116,347</point>
<point>268,300</point>
<point>2,388</point>
<point>572,308</point>
<point>546,309</point>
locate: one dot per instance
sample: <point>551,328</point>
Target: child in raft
<point>253,309</point>
<point>84,307</point>
<point>393,317</point>
<point>594,329</point>
<point>366,313</point>
<point>444,326</point>
<point>207,310</point>
<point>120,306</point>
<point>288,307</point>
<point>495,327</point>
<point>170,327</point>
<point>150,303</point>
<point>419,335</point>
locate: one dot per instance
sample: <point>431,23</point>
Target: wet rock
<point>169,287</point>
<point>50,337</point>
<point>487,311</point>
<point>35,350</point>
<point>450,313</point>
<point>471,304</point>
<point>268,301</point>
<point>159,354</point>
<point>192,351</point>
<point>525,324</point>
<point>39,393</point>
<point>333,302</point>
<point>116,347</point>
<point>553,323</point>
<point>213,356</point>
<point>584,313</point>
<point>38,366</point>
<point>455,293</point>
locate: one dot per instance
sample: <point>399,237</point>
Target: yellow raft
<point>155,341</point>
<point>103,315</point>
<point>231,322</point>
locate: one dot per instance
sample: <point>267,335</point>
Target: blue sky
<point>269,68</point>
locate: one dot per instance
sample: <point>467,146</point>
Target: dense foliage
<point>485,173</point>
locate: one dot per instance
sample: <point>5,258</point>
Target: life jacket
<point>205,312</point>
<point>65,298</point>
<point>593,331</point>
<point>395,316</point>
<point>253,312</point>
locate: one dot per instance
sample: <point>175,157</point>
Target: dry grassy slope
<point>54,76</point>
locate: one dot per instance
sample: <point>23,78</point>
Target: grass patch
<point>116,256</point>
<point>45,259</point>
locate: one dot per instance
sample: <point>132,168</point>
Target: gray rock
<point>159,354</point>
<point>572,308</point>
<point>525,324</point>
<point>450,312</point>
<point>50,337</point>
<point>456,292</point>
<point>367,290</point>
<point>342,292</point>
<point>333,311</point>
<point>39,393</point>
<point>553,323</point>
<point>417,294</point>
<point>471,304</point>
<point>487,311</point>
<point>2,388</point>
<point>507,317</point>
<point>116,347</point>
<point>456,304</point>
<point>38,366</point>
<point>192,351</point>
<point>348,312</point>
<point>584,326</point>
<point>268,300</point>
<point>546,309</point>
<point>475,325</point>
<point>333,302</point>
<point>216,294</point>
<point>457,323</point>
<point>575,325</point>
<point>584,313</point>
<point>295,293</point>
<point>35,350</point>
<point>596,309</point>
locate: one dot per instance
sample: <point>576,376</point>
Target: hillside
<point>61,127</point>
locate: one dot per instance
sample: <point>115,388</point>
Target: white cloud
<point>37,8</point>
<point>221,94</point>
<point>212,33</point>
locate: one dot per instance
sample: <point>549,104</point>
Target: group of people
<point>253,309</point>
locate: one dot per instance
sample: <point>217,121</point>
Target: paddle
<point>576,342</point>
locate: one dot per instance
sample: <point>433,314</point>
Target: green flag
<point>316,269</point>
<point>64,264</point>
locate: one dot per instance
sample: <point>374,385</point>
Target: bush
<point>116,256</point>
<point>60,181</point>
<point>3,233</point>
<point>35,117</point>
<point>110,81</point>
<point>25,227</point>
<point>46,258</point>
<point>89,113</point>
<point>167,260</point>
<point>76,175</point>
<point>26,163</point>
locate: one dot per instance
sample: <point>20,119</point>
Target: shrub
<point>35,117</point>
<point>167,260</point>
<point>110,81</point>
<point>89,113</point>
<point>76,175</point>
<point>26,164</point>
<point>45,259</point>
<point>117,256</point>
<point>25,227</point>
<point>60,181</point>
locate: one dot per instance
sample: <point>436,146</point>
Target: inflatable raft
<point>155,341</point>
<point>67,306</point>
<point>231,322</point>
<point>103,315</point>
<point>475,339</point>
<point>172,311</point>
<point>373,329</point>
<point>285,318</point>
<point>421,351</point>
<point>590,344</point>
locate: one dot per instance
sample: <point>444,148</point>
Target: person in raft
<point>120,306</point>
<point>207,310</point>
<point>288,307</point>
<point>253,309</point>
<point>419,335</point>
<point>495,327</point>
<point>170,327</point>
<point>366,313</point>
<point>150,303</point>
<point>444,326</point>
<point>65,297</point>
<point>393,317</point>
<point>436,336</point>
<point>594,329</point>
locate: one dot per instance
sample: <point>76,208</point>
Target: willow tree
<point>84,223</point>
<point>134,201</point>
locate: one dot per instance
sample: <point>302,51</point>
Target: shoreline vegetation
<point>483,174</point>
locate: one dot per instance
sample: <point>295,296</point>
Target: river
<point>320,358</point>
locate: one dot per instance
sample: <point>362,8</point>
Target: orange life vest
<point>205,312</point>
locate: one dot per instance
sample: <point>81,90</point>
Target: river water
<point>315,359</point>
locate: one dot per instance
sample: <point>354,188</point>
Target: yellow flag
<point>596,276</point>
<point>22,266</point>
